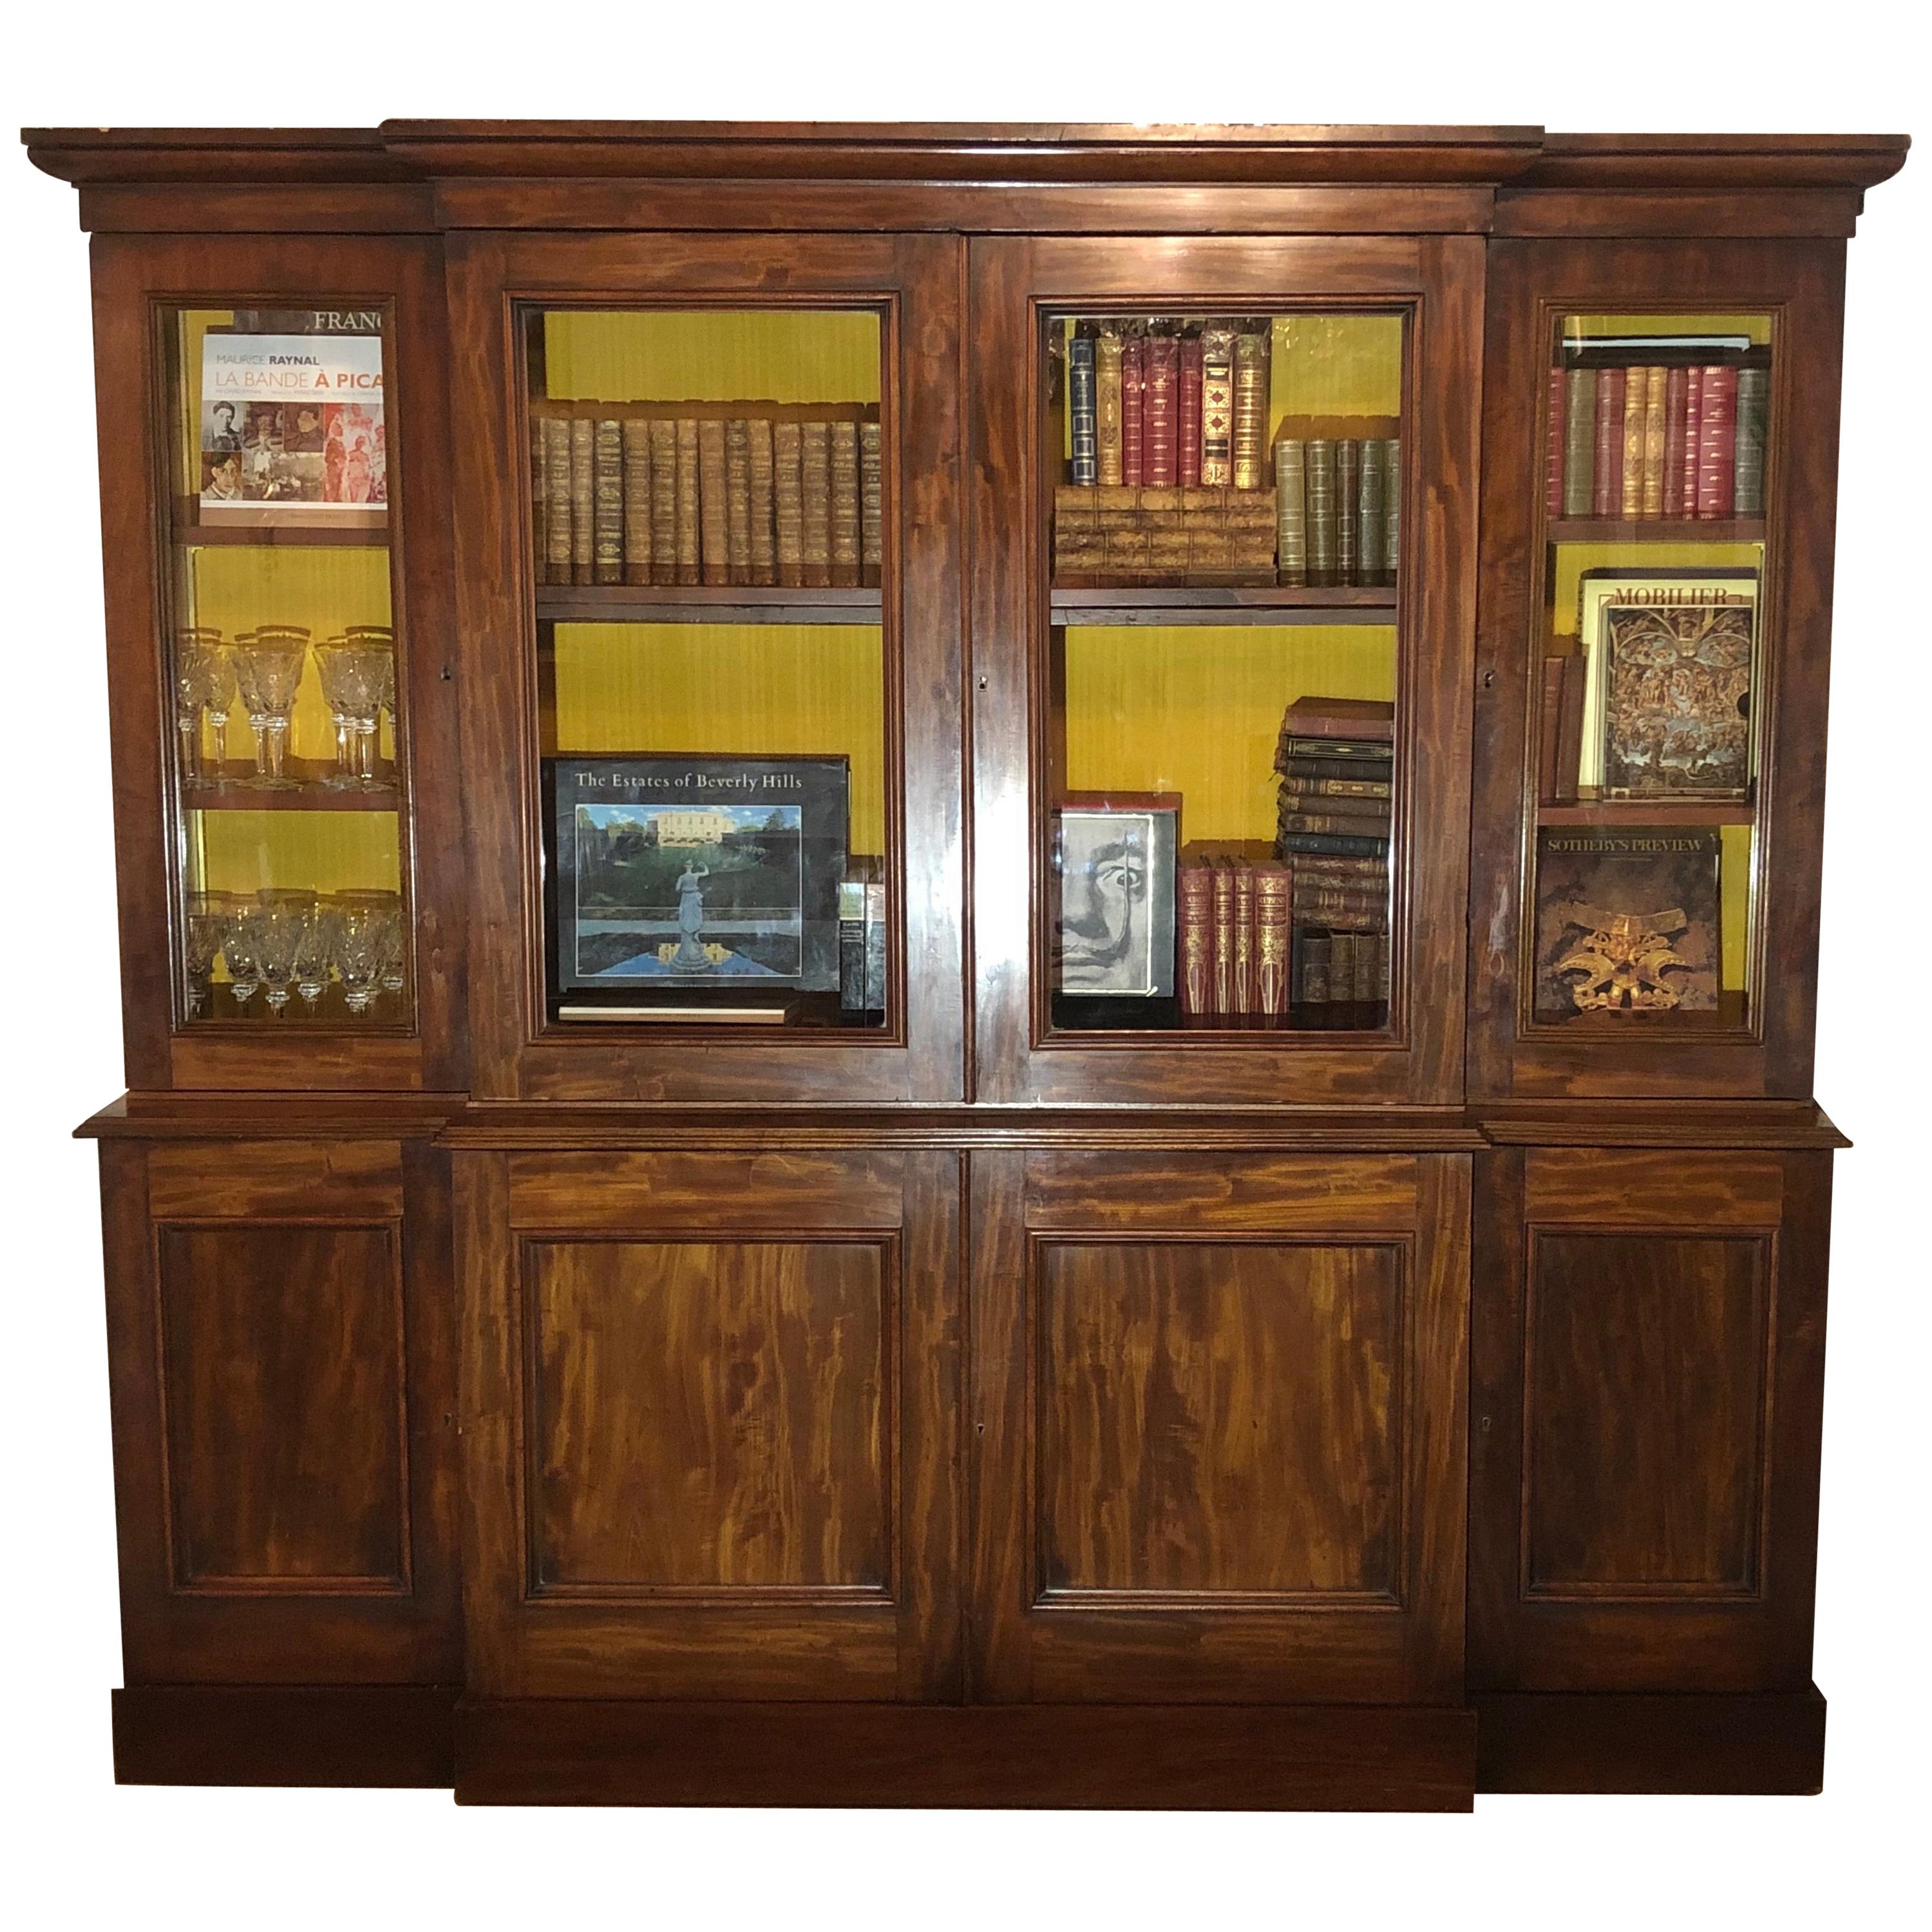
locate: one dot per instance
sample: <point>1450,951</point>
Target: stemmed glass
<point>204,680</point>
<point>314,950</point>
<point>205,923</point>
<point>379,637</point>
<point>268,669</point>
<point>364,925</point>
<point>351,668</point>
<point>278,921</point>
<point>240,950</point>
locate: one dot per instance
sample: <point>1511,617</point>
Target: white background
<point>83,1849</point>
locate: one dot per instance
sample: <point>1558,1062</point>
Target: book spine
<point>1693,421</point>
<point>1753,412</point>
<point>1356,824</point>
<point>608,529</point>
<point>1108,360</point>
<point>559,547</point>
<point>1392,520</point>
<point>852,943</point>
<point>1717,444</point>
<point>1341,968</point>
<point>1347,511</point>
<point>1187,412</point>
<point>539,505</point>
<point>1609,467</point>
<point>1248,437</point>
<point>1368,968</point>
<point>1133,412</point>
<point>871,504</point>
<point>1553,447</point>
<point>689,568</point>
<point>788,504</point>
<point>1676,393</point>
<point>1364,788</point>
<point>1158,449</point>
<point>1244,939</point>
<point>1650,495</point>
<point>764,559</point>
<point>738,500</point>
<point>1217,405</point>
<point>1315,900</point>
<point>814,490</point>
<point>845,537</point>
<point>582,500</point>
<point>1308,765</point>
<point>1330,842</point>
<point>1636,393</point>
<point>1294,744</point>
<point>1549,718</point>
<point>1290,510</point>
<point>1273,906</point>
<point>1579,442</point>
<point>1374,512</point>
<point>875,944</point>
<point>1313,974</point>
<point>663,435</point>
<point>1569,731</point>
<point>1081,463</point>
<point>1317,869</point>
<point>637,500</point>
<point>1194,937</point>
<point>713,517</point>
<point>1367,813</point>
<point>1224,939</point>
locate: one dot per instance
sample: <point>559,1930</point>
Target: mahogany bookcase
<point>712,1389</point>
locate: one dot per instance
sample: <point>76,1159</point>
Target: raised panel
<point>1645,1399</point>
<point>731,1192</point>
<point>282,1376</point>
<point>1086,1190</point>
<point>1219,1420</point>
<point>709,1417</point>
<point>360,1180</point>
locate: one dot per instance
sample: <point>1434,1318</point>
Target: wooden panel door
<point>1218,1416</point>
<point>710,1411</point>
<point>1648,1353</point>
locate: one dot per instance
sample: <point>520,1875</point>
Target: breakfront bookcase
<point>683,1230</point>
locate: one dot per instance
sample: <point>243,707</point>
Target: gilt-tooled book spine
<point>582,500</point>
<point>1609,467</point>
<point>1753,409</point>
<point>738,500</point>
<point>1374,517</point>
<point>713,515</point>
<point>1318,787</point>
<point>664,500</point>
<point>1336,905</point>
<point>1392,519</point>
<point>1717,443</point>
<point>1133,411</point>
<point>1579,442</point>
<point>787,503</point>
<point>1655,391</point>
<point>1248,437</point>
<point>1083,463</point>
<point>1194,937</point>
<point>1320,514</point>
<point>1367,816</point>
<point>689,568</point>
<point>1158,457</point>
<point>1371,974</point>
<point>1243,981</point>
<point>1187,412</point>
<point>1342,946</point>
<point>1694,424</point>
<point>871,503</point>
<point>1312,973</point>
<point>1553,452</point>
<point>637,500</point>
<point>539,509</point>
<point>1349,510</point>
<point>1290,510</point>
<point>1676,396</point>
<point>758,433</point>
<point>814,490</point>
<point>1107,371</point>
<point>1272,906</point>
<point>1217,404</point>
<point>1333,842</point>
<point>558,545</point>
<point>1224,938</point>
<point>1637,390</point>
<point>608,527</point>
<point>843,536</point>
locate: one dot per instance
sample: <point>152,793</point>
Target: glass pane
<point>1649,668</point>
<point>1225,532</point>
<point>709,520</point>
<point>290,776</point>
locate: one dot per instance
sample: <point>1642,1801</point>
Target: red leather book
<point>1224,937</point>
<point>1245,961</point>
<point>1553,447</point>
<point>1157,412</point>
<point>1686,499</point>
<point>1272,908</point>
<point>1676,394</point>
<point>1611,387</point>
<point>1194,934</point>
<point>1133,394</point>
<point>1717,444</point>
<point>1187,413</point>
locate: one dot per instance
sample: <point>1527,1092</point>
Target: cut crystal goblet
<point>268,671</point>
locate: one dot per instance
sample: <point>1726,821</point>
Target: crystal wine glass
<point>240,950</point>
<point>214,679</point>
<point>204,925</point>
<point>351,670</point>
<point>279,919</point>
<point>381,640</point>
<point>195,645</point>
<point>268,670</point>
<point>363,921</point>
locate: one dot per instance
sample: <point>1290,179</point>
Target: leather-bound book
<point>1343,946</point>
<point>1339,905</point>
<point>1217,404</point>
<point>764,562</point>
<point>738,500</point>
<point>844,540</point>
<point>1374,516</point>
<point>1717,443</point>
<point>1370,824</point>
<point>815,492</point>
<point>1580,442</point>
<point>1083,463</point>
<point>539,507</point>
<point>1320,481</point>
<point>1133,410</point>
<point>1392,516</point>
<point>1694,418</point>
<point>1676,392</point>
<point>1552,453</point>
<point>1754,411</point>
<point>1570,730</point>
<point>1549,716</point>
<point>1194,937</point>
<point>1249,438</point>
<point>1187,412</point>
<point>664,500</point>
<point>1244,979</point>
<point>1273,906</point>
<point>1349,510</point>
<point>1314,951</point>
<point>1159,465</point>
<point>1299,787</point>
<point>713,516</point>
<point>689,568</point>
<point>582,500</point>
<point>1224,937</point>
<point>1636,391</point>
<point>637,500</point>
<point>1369,969</point>
<point>1290,510</point>
<point>1611,386</point>
<point>1107,360</point>
<point>558,546</point>
<point>608,526</point>
<point>787,504</point>
<point>871,503</point>
<point>1656,390</point>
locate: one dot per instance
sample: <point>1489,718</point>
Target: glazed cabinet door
<point>1221,495</point>
<point>710,1413</point>
<point>709,584</point>
<point>1218,1407</point>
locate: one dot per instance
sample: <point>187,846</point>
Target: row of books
<point>750,500</point>
<point>1338,509</point>
<point>1159,404</point>
<point>1651,441</point>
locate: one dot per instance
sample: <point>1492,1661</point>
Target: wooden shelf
<point>708,604</point>
<point>1639,811</point>
<point>1225,603</point>
<point>309,794</point>
<point>1669,529</point>
<point>194,535</point>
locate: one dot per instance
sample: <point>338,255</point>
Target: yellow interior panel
<point>773,689</point>
<point>1334,365</point>
<point>324,851</point>
<point>1734,893</point>
<point>1197,710</point>
<point>1757,327</point>
<point>713,354</point>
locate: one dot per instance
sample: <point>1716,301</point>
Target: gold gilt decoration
<point>1626,962</point>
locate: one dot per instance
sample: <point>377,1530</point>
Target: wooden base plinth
<point>395,1735</point>
<point>1763,1745</point>
<point>1170,1757</point>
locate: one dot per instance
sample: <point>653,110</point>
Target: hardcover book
<point>1114,857</point>
<point>1107,360</point>
<point>738,500</point>
<point>1717,443</point>
<point>1291,470</point>
<point>713,515</point>
<point>1133,411</point>
<point>1217,402</point>
<point>1187,412</point>
<point>1157,412</point>
<point>558,545</point>
<point>637,498</point>
<point>871,503</point>
<point>688,569</point>
<point>1194,937</point>
<point>1579,442</point>
<point>843,535</point>
<point>1083,463</point>
<point>1392,508</point>
<point>788,504</point>
<point>582,500</point>
<point>608,474</point>
<point>1611,387</point>
<point>1248,437</point>
<point>1349,510</point>
<point>814,466</point>
<point>664,500</point>
<point>758,433</point>
<point>1320,514</point>
<point>1753,409</point>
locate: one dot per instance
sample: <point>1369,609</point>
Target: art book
<point>1626,920</point>
<point>292,430</point>
<point>683,871</point>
